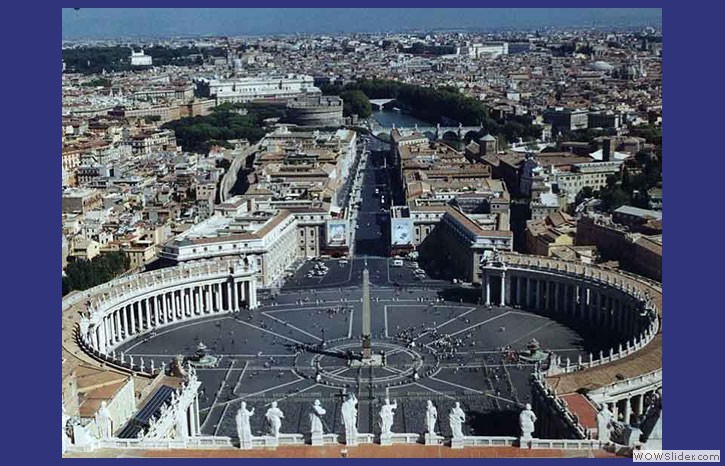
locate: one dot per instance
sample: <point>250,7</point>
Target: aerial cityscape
<point>410,240</point>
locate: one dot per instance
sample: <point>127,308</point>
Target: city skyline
<point>98,24</point>
<point>426,241</point>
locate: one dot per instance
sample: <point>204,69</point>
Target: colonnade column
<point>547,293</point>
<point>207,294</point>
<point>235,295</point>
<point>117,329</point>
<point>196,415</point>
<point>124,320</point>
<point>503,288</point>
<point>556,296</point>
<point>243,296</point>
<point>134,307</point>
<point>164,308</point>
<point>488,289</point>
<point>107,333</point>
<point>627,409</point>
<point>252,293</point>
<point>148,312</point>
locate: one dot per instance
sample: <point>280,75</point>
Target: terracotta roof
<point>648,359</point>
<point>583,408</point>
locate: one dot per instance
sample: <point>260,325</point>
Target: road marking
<point>471,327</point>
<point>529,314</point>
<point>216,398</point>
<point>224,412</point>
<point>200,321</point>
<point>456,385</point>
<point>386,321</point>
<point>263,391</point>
<point>287,324</point>
<point>448,321</point>
<point>501,398</point>
<point>295,393</point>
<point>268,331</point>
<point>432,390</point>
<point>529,333</point>
<point>241,376</point>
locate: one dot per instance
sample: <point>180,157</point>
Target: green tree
<point>585,193</point>
<point>356,102</point>
<point>83,274</point>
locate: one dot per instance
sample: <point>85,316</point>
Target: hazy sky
<point>121,23</point>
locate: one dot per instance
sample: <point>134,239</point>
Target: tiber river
<point>387,118</point>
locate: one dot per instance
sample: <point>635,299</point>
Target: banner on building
<point>337,233</point>
<point>401,231</point>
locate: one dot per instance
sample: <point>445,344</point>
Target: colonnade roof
<point>646,360</point>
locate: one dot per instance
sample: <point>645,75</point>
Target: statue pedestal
<point>351,438</point>
<point>433,439</point>
<point>457,443</point>
<point>317,440</point>
<point>386,439</point>
<point>291,439</point>
<point>270,442</point>
<point>365,438</point>
<point>525,441</point>
<point>245,443</point>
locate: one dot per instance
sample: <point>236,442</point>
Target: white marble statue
<point>527,418</point>
<point>349,416</point>
<point>66,440</point>
<point>82,436</point>
<point>387,415</point>
<point>316,427</point>
<point>103,421</point>
<point>274,416</point>
<point>244,431</point>
<point>456,418</point>
<point>604,423</point>
<point>182,423</point>
<point>431,417</point>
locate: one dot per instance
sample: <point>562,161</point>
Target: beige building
<point>543,236</point>
<point>80,200</point>
<point>85,249</point>
<point>456,245</point>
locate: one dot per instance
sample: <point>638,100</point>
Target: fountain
<point>533,352</point>
<point>202,358</point>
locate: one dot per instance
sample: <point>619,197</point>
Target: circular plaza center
<point>305,343</point>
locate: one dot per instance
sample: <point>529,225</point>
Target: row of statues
<point>349,412</point>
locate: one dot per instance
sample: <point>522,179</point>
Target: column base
<point>433,439</point>
<point>316,440</point>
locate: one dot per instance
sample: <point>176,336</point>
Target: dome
<point>602,66</point>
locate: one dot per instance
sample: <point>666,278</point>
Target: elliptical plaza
<point>184,346</point>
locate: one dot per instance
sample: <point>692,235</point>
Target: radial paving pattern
<point>296,348</point>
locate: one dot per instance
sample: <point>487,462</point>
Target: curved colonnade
<point>623,378</point>
<point>109,315</point>
<point>132,306</point>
